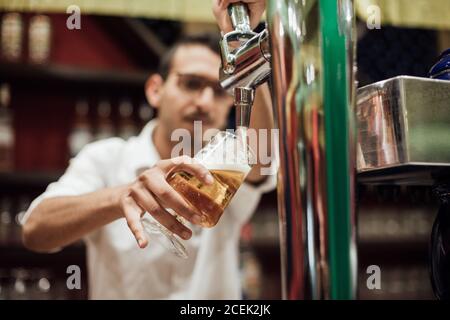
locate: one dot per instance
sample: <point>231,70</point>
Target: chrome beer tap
<point>245,62</point>
<point>310,58</point>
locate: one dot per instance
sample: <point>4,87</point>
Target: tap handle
<point>242,32</point>
<point>240,18</point>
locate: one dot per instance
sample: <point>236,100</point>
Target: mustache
<point>198,116</point>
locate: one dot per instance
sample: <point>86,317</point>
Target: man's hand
<point>256,9</point>
<point>151,193</point>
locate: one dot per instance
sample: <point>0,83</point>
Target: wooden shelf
<point>393,252</point>
<point>14,256</point>
<point>64,75</point>
<point>27,179</point>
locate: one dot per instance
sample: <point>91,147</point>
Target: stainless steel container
<point>403,129</point>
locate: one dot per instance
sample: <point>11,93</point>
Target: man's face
<point>192,91</point>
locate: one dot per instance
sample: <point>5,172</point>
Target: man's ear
<point>153,88</point>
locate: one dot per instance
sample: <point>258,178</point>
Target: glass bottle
<point>39,37</point>
<point>12,36</point>
<point>81,133</point>
<point>105,127</point>
<point>6,130</point>
<point>127,127</point>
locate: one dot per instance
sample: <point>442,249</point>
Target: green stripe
<point>336,108</point>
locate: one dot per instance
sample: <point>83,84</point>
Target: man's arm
<point>59,221</point>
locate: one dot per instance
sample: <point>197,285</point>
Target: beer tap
<point>245,62</point>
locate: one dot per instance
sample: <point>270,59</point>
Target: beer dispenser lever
<point>245,62</point>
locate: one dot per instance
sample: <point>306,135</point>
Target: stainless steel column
<point>318,260</point>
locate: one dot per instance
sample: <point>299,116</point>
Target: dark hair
<point>208,40</point>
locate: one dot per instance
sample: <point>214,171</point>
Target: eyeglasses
<point>196,84</point>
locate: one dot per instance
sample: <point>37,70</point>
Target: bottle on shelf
<point>81,133</point>
<point>127,127</point>
<point>23,203</point>
<point>12,36</point>
<point>105,128</point>
<point>20,289</point>
<point>6,129</point>
<point>4,284</point>
<point>251,275</point>
<point>146,113</point>
<point>5,220</point>
<point>39,37</point>
<point>34,284</point>
<point>41,285</point>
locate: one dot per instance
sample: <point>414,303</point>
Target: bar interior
<point>360,94</point>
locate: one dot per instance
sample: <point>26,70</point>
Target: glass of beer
<point>229,159</point>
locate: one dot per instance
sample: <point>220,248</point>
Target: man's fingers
<point>256,9</point>
<point>221,14</point>
<point>188,164</point>
<point>170,198</point>
<point>198,171</point>
<point>145,200</point>
<point>226,3</point>
<point>152,189</point>
<point>133,216</point>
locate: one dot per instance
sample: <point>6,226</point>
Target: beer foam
<point>228,167</point>
<point>230,155</point>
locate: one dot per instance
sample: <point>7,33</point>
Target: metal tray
<point>403,122</point>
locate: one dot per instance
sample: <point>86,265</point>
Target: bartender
<point>111,183</point>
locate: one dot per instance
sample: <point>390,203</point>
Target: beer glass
<point>229,159</point>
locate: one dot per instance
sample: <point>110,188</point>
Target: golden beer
<point>229,159</point>
<point>210,200</point>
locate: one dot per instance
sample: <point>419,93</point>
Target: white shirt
<point>117,267</point>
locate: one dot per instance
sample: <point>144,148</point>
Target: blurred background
<point>62,88</point>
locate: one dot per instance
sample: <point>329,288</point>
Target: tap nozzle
<point>243,101</point>
<point>243,67</point>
